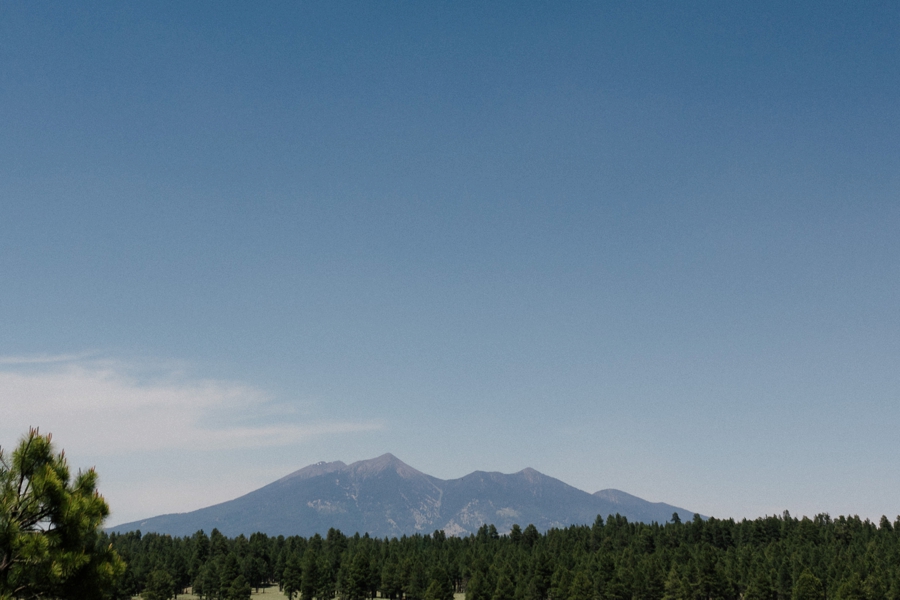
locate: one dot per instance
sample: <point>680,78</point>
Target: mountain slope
<point>386,497</point>
<point>639,509</point>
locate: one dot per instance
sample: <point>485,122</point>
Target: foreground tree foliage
<point>51,545</point>
<point>771,558</point>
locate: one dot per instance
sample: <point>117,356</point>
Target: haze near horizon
<point>649,247</point>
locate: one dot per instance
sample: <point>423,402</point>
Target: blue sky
<point>643,245</point>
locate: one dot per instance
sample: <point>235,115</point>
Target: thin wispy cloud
<point>43,359</point>
<point>101,407</point>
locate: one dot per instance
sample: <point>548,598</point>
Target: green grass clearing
<point>272,592</point>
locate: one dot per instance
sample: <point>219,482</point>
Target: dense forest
<point>768,558</point>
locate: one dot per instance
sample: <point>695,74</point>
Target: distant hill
<point>386,497</point>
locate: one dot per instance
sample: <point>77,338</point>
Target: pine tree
<point>354,584</point>
<point>230,570</point>
<point>851,589</point>
<point>581,588</point>
<point>292,578</point>
<point>309,583</point>
<point>238,590</point>
<point>391,582</point>
<point>505,589</point>
<point>160,586</point>
<point>439,591</point>
<point>50,537</point>
<point>477,588</point>
<point>562,580</point>
<point>808,587</point>
<point>417,582</point>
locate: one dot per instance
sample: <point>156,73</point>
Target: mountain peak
<point>385,462</point>
<point>384,496</point>
<point>531,475</point>
<point>314,470</point>
<point>387,458</point>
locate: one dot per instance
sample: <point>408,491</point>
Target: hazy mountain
<point>386,497</point>
<point>638,509</point>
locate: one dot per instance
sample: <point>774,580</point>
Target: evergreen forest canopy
<point>775,558</point>
<point>52,546</point>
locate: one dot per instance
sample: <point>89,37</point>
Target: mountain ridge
<point>386,497</point>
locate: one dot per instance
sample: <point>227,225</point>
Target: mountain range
<point>385,497</point>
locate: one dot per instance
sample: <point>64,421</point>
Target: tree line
<point>770,558</point>
<point>52,546</point>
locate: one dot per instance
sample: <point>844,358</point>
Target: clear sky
<point>653,246</point>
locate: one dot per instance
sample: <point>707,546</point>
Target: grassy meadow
<point>270,592</point>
